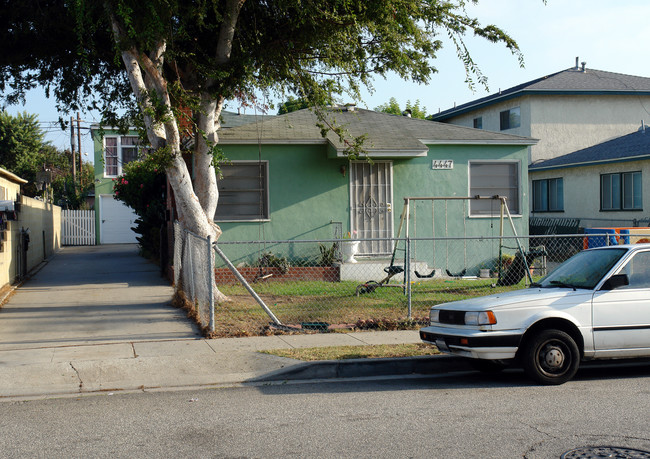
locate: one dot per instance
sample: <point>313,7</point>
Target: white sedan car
<point>595,305</point>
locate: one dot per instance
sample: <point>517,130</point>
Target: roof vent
<point>350,107</point>
<point>407,113</point>
<point>577,62</point>
<point>584,66</point>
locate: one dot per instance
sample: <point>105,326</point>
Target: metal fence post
<point>211,282</point>
<point>190,251</point>
<point>246,285</point>
<point>407,267</point>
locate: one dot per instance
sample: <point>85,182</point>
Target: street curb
<point>356,368</point>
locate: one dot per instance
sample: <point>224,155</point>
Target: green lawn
<point>299,302</point>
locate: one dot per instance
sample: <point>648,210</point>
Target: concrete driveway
<point>92,295</point>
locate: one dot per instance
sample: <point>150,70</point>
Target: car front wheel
<point>551,357</point>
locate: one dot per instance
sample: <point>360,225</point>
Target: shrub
<point>142,187</point>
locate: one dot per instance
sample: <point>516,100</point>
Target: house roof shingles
<point>630,147</point>
<point>570,81</point>
<point>385,133</point>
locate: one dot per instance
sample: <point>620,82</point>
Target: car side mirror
<point>616,281</point>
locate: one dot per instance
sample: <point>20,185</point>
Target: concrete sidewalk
<point>171,364</point>
<point>99,319</point>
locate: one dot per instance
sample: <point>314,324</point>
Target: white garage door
<point>115,221</point>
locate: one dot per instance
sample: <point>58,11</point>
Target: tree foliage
<point>392,107</point>
<point>168,64</point>
<point>24,151</point>
<point>313,48</point>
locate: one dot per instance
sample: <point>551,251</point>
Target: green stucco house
<point>284,181</point>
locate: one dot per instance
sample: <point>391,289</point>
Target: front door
<point>371,198</point>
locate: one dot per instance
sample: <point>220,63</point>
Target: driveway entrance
<point>92,295</point>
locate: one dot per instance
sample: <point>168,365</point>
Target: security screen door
<point>371,197</point>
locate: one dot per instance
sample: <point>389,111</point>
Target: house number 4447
<point>442,164</point>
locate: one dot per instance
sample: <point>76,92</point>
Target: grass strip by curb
<point>355,352</point>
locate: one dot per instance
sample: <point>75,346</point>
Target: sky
<point>607,35</point>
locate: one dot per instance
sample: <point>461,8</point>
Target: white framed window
<point>243,191</point>
<point>510,119</point>
<point>621,191</point>
<point>494,178</point>
<point>118,151</point>
<point>548,195</point>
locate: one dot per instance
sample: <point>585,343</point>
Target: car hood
<point>514,298</point>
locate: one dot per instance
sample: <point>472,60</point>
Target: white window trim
<point>119,153</point>
<point>519,188</point>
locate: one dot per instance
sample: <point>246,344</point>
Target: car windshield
<point>583,270</point>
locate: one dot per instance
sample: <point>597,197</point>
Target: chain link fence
<point>325,285</point>
<point>193,262</point>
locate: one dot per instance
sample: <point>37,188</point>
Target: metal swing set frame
<point>393,270</point>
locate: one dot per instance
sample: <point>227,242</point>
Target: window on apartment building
<point>494,178</point>
<point>621,191</point>
<point>243,191</point>
<point>478,123</point>
<point>118,151</point>
<point>510,119</point>
<point>548,195</point>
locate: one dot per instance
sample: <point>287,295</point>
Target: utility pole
<point>74,156</point>
<point>81,174</point>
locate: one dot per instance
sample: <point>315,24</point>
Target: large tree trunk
<point>196,203</point>
<point>195,209</point>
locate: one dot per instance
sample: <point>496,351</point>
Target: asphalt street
<point>467,414</point>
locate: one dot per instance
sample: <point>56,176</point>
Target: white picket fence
<point>78,227</point>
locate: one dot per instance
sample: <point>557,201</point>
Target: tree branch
<point>227,30</point>
<point>156,135</point>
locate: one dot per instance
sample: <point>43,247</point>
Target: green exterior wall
<point>308,192</point>
<point>102,185</point>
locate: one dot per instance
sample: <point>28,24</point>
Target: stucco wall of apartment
<point>582,193</point>
<point>491,120</point>
<point>564,124</point>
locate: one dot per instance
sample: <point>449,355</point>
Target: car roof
<point>640,246</point>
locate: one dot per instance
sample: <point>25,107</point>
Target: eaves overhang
<point>626,159</point>
<point>491,100</point>
<point>376,153</point>
<point>520,142</point>
<point>4,173</point>
<point>226,141</point>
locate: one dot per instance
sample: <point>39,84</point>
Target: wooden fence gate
<point>78,227</point>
